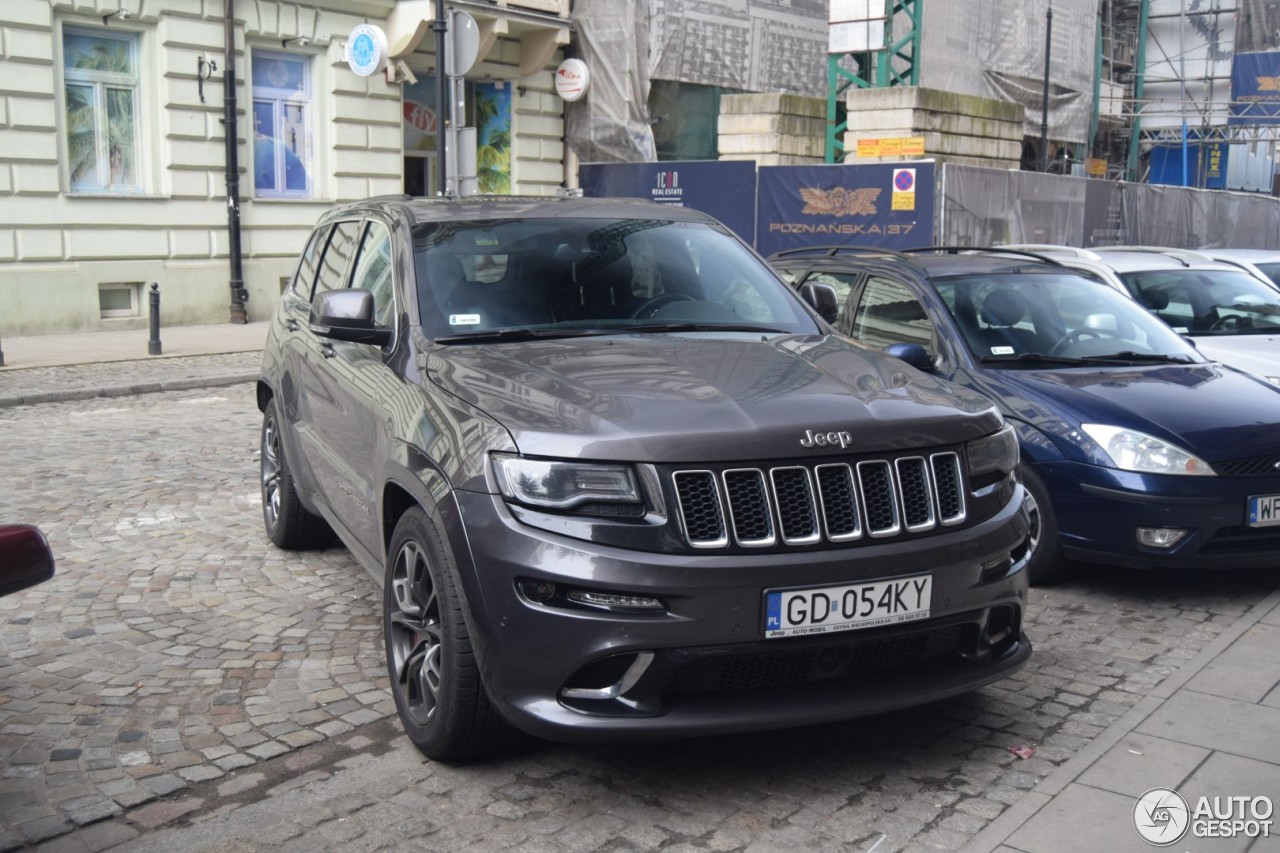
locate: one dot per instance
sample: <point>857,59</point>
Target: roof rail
<point>1050,248</point>
<point>1182,255</point>
<point>834,251</point>
<point>1002,250</point>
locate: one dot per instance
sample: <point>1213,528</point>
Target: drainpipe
<point>238,293</point>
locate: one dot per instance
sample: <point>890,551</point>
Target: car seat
<point>1001,311</point>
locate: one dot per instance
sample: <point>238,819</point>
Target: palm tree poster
<point>493,137</point>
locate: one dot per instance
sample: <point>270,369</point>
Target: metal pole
<point>233,165</point>
<point>1044,104</point>
<point>1139,82</point>
<point>441,27</point>
<point>153,345</point>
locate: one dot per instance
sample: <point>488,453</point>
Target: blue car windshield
<point>1007,317</point>
<point>514,279</point>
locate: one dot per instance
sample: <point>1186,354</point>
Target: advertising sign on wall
<point>725,189</point>
<point>889,205</point>
<point>1255,88</point>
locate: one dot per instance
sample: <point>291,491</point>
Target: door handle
<point>292,325</point>
<point>328,351</point>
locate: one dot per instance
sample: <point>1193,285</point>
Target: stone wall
<point>773,129</point>
<point>956,128</point>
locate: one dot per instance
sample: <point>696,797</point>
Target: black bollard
<point>153,345</point>
<point>1,356</point>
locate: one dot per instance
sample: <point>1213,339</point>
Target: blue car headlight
<point>1131,450</point>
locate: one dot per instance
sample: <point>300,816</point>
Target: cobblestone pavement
<point>183,685</point>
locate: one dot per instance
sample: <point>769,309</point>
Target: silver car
<point>1230,314</point>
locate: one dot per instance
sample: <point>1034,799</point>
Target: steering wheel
<point>1230,321</point>
<point>1077,335</point>
<point>650,306</point>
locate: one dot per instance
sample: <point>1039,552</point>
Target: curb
<point>74,394</point>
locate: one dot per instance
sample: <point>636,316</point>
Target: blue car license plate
<point>1264,510</point>
<point>825,610</point>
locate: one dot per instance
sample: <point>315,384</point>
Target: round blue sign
<point>366,49</point>
<point>904,180</point>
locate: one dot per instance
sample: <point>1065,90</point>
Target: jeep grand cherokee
<point>618,482</point>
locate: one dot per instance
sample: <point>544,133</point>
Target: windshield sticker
<point>483,240</point>
<point>1002,350</point>
<point>1182,330</point>
<point>464,319</point>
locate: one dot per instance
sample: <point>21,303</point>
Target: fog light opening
<point>1160,537</point>
<point>544,591</point>
<point>616,601</point>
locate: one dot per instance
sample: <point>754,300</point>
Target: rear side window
<point>333,268</point>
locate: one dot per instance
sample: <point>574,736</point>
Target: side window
<point>889,313</point>
<point>100,73</point>
<point>373,272</point>
<point>281,125</point>
<point>305,278</point>
<point>333,268</point>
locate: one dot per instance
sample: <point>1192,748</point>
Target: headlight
<point>1131,450</point>
<point>995,452</point>
<point>554,484</point>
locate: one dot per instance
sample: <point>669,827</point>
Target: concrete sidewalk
<point>131,345</point>
<point>58,368</point>
<point>1211,729</point>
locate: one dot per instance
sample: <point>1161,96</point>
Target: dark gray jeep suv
<point>619,482</point>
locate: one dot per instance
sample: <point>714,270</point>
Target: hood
<point>1258,354</point>
<point>700,398</point>
<point>1214,411</point>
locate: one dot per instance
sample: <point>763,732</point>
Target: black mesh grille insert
<point>798,666</point>
<point>1243,540</point>
<point>700,507</point>
<point>1258,466</point>
<point>946,480</point>
<point>877,496</point>
<point>917,505</point>
<point>839,501</point>
<point>602,673</point>
<point>795,504</point>
<point>748,506</point>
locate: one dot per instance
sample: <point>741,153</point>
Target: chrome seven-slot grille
<point>832,502</point>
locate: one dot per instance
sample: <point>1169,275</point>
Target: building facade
<point>113,156</point>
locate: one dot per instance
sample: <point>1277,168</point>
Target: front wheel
<point>1045,563</point>
<point>434,676</point>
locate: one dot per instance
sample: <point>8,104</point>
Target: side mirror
<point>913,354</point>
<point>25,558</point>
<point>347,315</point>
<point>822,298</point>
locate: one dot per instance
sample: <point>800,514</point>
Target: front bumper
<point>703,666</point>
<point>1099,509</point>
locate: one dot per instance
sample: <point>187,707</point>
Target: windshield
<point>1009,317</point>
<point>525,278</point>
<point>1207,302</point>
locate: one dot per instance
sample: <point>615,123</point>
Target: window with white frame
<point>100,74</point>
<point>281,122</point>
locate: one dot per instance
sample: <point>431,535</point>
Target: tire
<point>1045,563</point>
<point>439,695</point>
<point>289,524</point>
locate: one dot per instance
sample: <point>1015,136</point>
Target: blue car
<point>1135,449</point>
